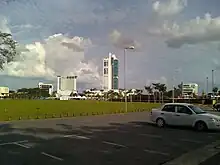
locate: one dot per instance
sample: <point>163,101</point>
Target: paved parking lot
<point>114,139</point>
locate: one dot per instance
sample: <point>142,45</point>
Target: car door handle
<point>162,113</point>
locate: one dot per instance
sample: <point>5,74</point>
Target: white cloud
<point>198,30</point>
<point>121,41</point>
<point>4,25</point>
<point>170,7</point>
<point>56,55</point>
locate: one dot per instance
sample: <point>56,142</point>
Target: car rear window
<point>169,108</point>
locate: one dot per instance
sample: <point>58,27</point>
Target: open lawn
<point>39,109</point>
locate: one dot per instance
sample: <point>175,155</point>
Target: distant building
<point>49,87</point>
<point>4,92</point>
<point>66,85</point>
<point>110,72</point>
<point>189,89</point>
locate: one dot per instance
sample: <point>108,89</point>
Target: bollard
<point>53,116</point>
<point>60,115</point>
<point>19,118</point>
<point>9,118</point>
<point>38,117</point>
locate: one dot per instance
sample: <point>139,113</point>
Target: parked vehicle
<point>217,107</point>
<point>183,114</point>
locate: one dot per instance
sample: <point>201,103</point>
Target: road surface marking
<point>51,156</point>
<point>191,141</point>
<point>136,125</point>
<point>150,135</point>
<point>3,144</point>
<point>213,133</point>
<point>21,145</point>
<point>195,157</point>
<point>122,131</point>
<point>77,136</point>
<point>114,144</point>
<point>89,132</point>
<point>156,152</point>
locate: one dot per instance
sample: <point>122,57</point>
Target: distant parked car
<point>216,107</point>
<point>183,114</point>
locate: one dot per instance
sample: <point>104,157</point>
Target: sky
<point>175,40</point>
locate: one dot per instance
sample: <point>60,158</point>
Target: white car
<point>183,114</point>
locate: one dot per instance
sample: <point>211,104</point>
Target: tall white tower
<point>58,83</point>
<point>110,72</point>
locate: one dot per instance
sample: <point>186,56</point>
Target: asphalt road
<point>112,139</point>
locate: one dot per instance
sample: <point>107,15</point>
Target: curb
<point>70,115</point>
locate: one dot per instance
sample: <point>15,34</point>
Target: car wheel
<point>160,122</point>
<point>201,126</point>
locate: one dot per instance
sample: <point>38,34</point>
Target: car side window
<point>169,108</point>
<point>183,109</point>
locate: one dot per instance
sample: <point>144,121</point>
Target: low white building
<point>4,92</point>
<point>46,86</point>
<point>189,89</point>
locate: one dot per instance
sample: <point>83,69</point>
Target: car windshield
<point>196,109</point>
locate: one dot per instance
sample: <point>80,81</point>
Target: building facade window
<point>115,68</point>
<point>105,63</point>
<point>115,83</point>
<point>105,70</point>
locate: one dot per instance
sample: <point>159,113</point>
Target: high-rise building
<point>110,72</point>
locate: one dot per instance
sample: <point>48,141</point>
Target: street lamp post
<point>212,79</point>
<point>207,85</point>
<point>125,49</point>
<point>173,94</point>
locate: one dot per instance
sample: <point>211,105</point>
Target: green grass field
<point>39,109</point>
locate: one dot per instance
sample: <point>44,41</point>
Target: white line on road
<point>137,125</point>
<point>122,131</point>
<point>196,157</point>
<point>114,144</point>
<point>51,156</point>
<point>191,141</point>
<point>213,133</point>
<point>151,135</point>
<point>21,145</point>
<point>3,144</point>
<point>76,136</point>
<point>156,152</point>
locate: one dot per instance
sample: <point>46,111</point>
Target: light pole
<point>212,79</point>
<point>207,85</point>
<point>125,49</point>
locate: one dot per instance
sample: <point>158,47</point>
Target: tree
<point>215,90</point>
<point>160,89</point>
<point>149,89</point>
<point>110,94</point>
<point>139,93</point>
<point>7,49</point>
